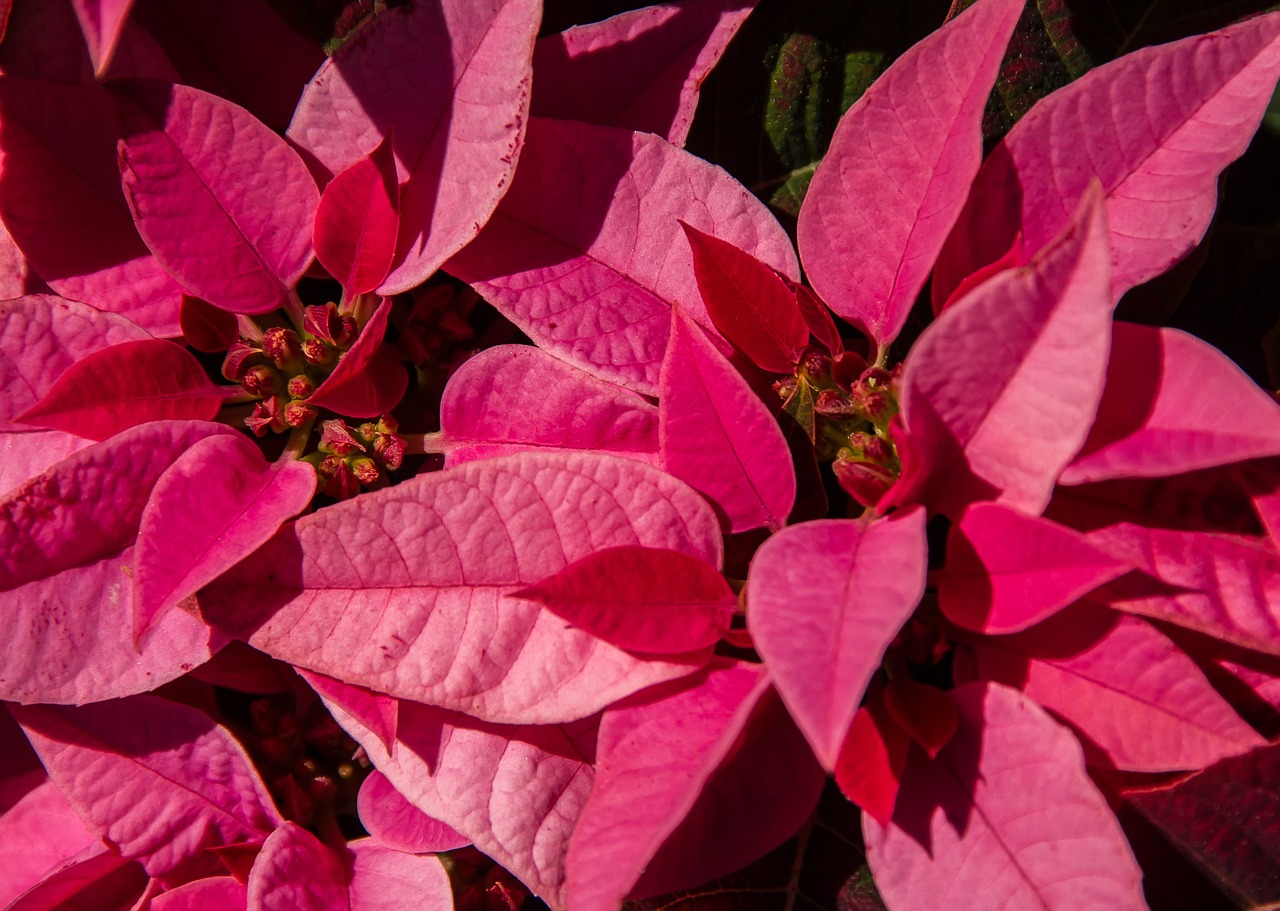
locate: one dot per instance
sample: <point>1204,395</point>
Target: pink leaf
<point>1173,404</point>
<point>514,791</point>
<point>751,306</point>
<point>101,21</point>
<point>1155,127</point>
<point>240,50</point>
<point>295,872</point>
<point>27,454</point>
<point>394,822</point>
<point>717,435</point>
<point>408,590</point>
<point>357,222</point>
<point>63,207</point>
<point>825,600</point>
<point>96,879</point>
<point>1005,817</point>
<point>160,780</point>
<point>449,80</point>
<point>514,398</point>
<point>641,69</point>
<point>586,254</point>
<point>722,832</point>
<point>41,336</point>
<point>125,385</point>
<point>1000,390</point>
<point>67,560</point>
<point>387,880</point>
<point>1006,571</point>
<point>37,833</point>
<point>224,203</point>
<point>369,380</point>
<point>900,163</point>
<point>214,893</point>
<point>1221,585</point>
<point>1140,701</point>
<point>654,754</point>
<point>215,505</point>
<point>656,602</point>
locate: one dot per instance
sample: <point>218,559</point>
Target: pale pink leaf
<point>296,872</point>
<point>1156,127</point>
<point>65,578</point>
<point>1004,818</point>
<point>96,879</point>
<point>717,435</point>
<point>378,713</point>
<point>1223,585</point>
<point>125,385</point>
<point>1000,391</point>
<point>449,81</point>
<point>640,69</point>
<point>515,791</point>
<point>722,832</point>
<point>101,21</point>
<point>61,202</point>
<point>394,822</point>
<point>748,302</point>
<point>1141,703</point>
<point>24,455</point>
<point>241,50</point>
<point>1006,571</point>
<point>160,780</point>
<point>369,380</point>
<point>223,202</point>
<point>899,166</point>
<point>41,336</point>
<point>37,833</point>
<point>653,756</point>
<point>825,599</point>
<point>408,590</point>
<point>586,254</point>
<point>656,602</point>
<point>214,893</point>
<point>386,880</point>
<point>357,222</point>
<point>215,505</point>
<point>1173,404</point>
<point>513,398</point>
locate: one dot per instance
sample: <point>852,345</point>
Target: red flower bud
<point>298,413</point>
<point>318,352</point>
<point>283,346</point>
<point>240,357</point>
<point>301,386</point>
<point>267,415</point>
<point>335,437</point>
<point>864,482</point>
<point>323,322</point>
<point>365,470</point>
<point>260,380</point>
<point>390,448</point>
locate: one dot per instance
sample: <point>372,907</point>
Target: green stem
<point>423,443</point>
<point>297,444</point>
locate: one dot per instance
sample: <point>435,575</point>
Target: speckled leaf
<point>408,590</point>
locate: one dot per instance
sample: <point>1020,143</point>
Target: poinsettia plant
<point>432,480</point>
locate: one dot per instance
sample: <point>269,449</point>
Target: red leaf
<point>357,221</point>
<point>642,599</point>
<point>749,303</point>
<point>369,380</point>
<point>126,385</point>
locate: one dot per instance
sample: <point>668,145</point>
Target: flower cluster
<point>293,623</point>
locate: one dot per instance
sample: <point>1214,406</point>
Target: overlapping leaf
<point>369,379</point>
<point>448,80</point>
<point>1155,127</point>
<point>983,825</point>
<point>392,821</point>
<point>408,591</point>
<point>513,398</point>
<point>825,599</point>
<point>224,203</point>
<point>586,254</point>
